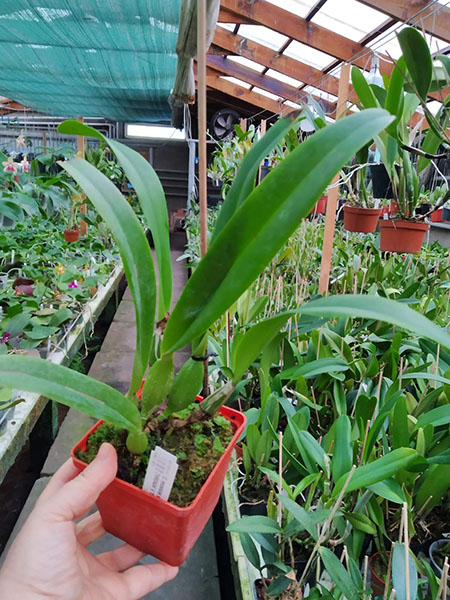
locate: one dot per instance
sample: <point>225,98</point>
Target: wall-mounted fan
<point>222,124</point>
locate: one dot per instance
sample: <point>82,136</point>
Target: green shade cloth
<point>96,58</point>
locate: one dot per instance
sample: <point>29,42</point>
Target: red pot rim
<point>361,210</point>
<point>403,224</point>
<point>229,413</point>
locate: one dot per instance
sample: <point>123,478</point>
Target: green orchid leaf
<point>363,89</point>
<point>71,388</point>
<point>315,368</point>
<point>258,228</point>
<point>151,197</point>
<point>254,524</point>
<point>417,58</point>
<point>134,251</point>
<point>245,179</point>
<point>399,563</point>
<point>300,515</point>
<point>360,306</point>
<point>342,459</point>
<point>339,575</point>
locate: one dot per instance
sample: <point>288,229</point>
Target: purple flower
<point>73,284</point>
<point>5,338</point>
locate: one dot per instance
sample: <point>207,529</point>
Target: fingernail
<point>103,452</point>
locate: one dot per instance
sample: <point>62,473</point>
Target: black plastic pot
<point>248,508</point>
<point>446,214</point>
<point>432,554</point>
<point>381,184</point>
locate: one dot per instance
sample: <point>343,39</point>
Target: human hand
<point>49,559</point>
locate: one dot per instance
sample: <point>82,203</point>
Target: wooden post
<point>202,158</point>
<point>83,207</point>
<point>243,124</point>
<point>262,126</point>
<point>44,141</point>
<point>330,219</point>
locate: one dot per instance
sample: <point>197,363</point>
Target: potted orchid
<point>195,440</point>
<point>72,232</point>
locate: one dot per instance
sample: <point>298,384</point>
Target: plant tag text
<point>161,471</point>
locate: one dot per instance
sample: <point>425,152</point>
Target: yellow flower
<point>86,267</point>
<point>60,269</point>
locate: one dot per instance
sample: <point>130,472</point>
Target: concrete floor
<point>198,576</point>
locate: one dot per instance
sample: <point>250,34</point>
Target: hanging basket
<point>362,220</point>
<point>402,236</point>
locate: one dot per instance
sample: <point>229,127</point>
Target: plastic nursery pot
<point>402,236</point>
<point>153,525</point>
<point>377,583</point>
<point>362,220</point>
<point>436,216</point>
<point>437,545</point>
<point>320,207</point>
<point>71,235</point>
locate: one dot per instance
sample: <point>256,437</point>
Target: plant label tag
<point>161,471</point>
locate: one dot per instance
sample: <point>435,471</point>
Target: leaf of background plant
<point>437,416</point>
<point>399,424</point>
<point>151,197</point>
<point>361,522</point>
<point>399,573</point>
<point>134,251</point>
<point>363,89</point>
<point>258,229</point>
<point>253,342</point>
<point>394,98</point>
<point>278,586</point>
<point>254,523</point>
<point>248,545</point>
<point>342,459</point>
<point>339,575</point>
<point>314,368</point>
<point>378,470</point>
<point>40,332</point>
<point>299,514</point>
<point>389,489</point>
<point>361,306</point>
<point>70,388</point>
<point>245,178</point>
<point>417,58</point>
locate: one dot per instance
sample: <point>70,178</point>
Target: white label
<point>161,471</point>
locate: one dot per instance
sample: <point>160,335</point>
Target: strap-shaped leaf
<point>417,58</point>
<point>381,309</point>
<point>70,388</point>
<point>245,179</point>
<point>134,251</point>
<point>264,222</point>
<point>339,575</point>
<point>151,197</point>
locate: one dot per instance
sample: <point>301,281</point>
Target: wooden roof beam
<point>226,16</point>
<point>274,86</point>
<point>433,17</point>
<point>237,91</point>
<point>241,46</point>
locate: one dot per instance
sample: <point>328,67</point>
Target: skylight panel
<point>245,62</point>
<point>284,78</point>
<point>263,35</point>
<point>266,93</point>
<point>229,26</point>
<point>319,94</point>
<point>298,7</point>
<point>293,104</point>
<point>243,84</point>
<point>349,18</point>
<point>308,55</point>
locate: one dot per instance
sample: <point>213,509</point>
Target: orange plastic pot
<point>320,206</point>
<point>402,236</point>
<point>436,216</point>
<point>156,526</point>
<point>71,235</point>
<point>362,220</point>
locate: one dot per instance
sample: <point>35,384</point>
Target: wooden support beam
<point>291,67</point>
<point>330,218</point>
<point>433,17</point>
<point>226,17</point>
<point>278,88</point>
<point>237,91</point>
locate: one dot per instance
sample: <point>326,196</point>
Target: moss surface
<point>197,446</point>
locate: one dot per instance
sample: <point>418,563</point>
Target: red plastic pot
<point>402,236</point>
<point>377,583</point>
<point>156,526</point>
<point>71,235</point>
<point>362,220</point>
<point>320,207</point>
<point>436,216</point>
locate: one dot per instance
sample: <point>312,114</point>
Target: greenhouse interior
<point>225,299</point>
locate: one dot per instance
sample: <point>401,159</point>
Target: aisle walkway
<point>198,577</point>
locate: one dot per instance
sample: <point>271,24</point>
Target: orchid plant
<point>253,224</point>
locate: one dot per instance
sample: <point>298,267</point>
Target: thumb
<point>77,496</point>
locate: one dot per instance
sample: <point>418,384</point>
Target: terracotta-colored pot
<point>377,584</point>
<point>320,207</point>
<point>71,235</point>
<point>153,525</point>
<point>402,236</point>
<point>362,220</point>
<point>436,216</point>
